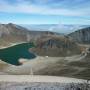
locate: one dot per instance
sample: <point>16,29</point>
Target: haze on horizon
<point>45,11</point>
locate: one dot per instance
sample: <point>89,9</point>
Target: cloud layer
<point>47,7</point>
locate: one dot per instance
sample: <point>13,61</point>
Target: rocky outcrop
<point>56,46</point>
<point>81,36</point>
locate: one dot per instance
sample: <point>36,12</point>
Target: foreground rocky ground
<point>30,82</point>
<point>44,86</point>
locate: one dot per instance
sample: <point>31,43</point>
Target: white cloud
<point>25,7</point>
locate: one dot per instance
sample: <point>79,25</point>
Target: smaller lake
<point>12,54</point>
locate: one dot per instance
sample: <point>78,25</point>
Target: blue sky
<point>45,11</point>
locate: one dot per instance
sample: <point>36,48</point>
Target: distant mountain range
<point>11,33</point>
<point>59,28</point>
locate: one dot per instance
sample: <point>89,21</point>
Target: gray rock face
<point>81,36</point>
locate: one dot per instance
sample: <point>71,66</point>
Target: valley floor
<point>53,66</point>
<point>73,66</point>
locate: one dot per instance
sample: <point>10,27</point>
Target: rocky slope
<point>81,36</point>
<point>56,46</point>
<point>11,33</point>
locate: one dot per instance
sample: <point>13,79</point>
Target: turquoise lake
<point>12,54</point>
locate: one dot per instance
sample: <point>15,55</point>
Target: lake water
<point>12,54</point>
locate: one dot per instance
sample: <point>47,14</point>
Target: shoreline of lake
<point>12,54</point>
